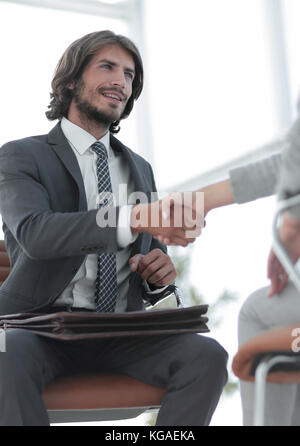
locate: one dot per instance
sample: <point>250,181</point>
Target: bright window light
<point>212,88</point>
<point>112,2</point>
<point>292,17</point>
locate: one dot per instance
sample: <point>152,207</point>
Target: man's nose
<point>119,80</point>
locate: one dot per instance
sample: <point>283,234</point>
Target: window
<point>32,41</point>
<point>214,87</point>
<point>291,14</point>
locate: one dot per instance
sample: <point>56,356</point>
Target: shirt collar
<point>80,139</point>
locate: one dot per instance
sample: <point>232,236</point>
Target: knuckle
<point>143,264</point>
<point>157,251</point>
<point>151,269</point>
<point>157,277</point>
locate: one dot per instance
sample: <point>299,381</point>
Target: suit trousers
<point>192,367</point>
<point>258,314</point>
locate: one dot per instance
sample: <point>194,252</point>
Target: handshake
<point>176,219</point>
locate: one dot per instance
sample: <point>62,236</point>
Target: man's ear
<point>71,85</point>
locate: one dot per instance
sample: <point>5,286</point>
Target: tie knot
<point>99,148</point>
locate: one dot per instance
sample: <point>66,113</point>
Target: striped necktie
<point>106,280</point>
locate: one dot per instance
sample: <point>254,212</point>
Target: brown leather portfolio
<point>88,324</point>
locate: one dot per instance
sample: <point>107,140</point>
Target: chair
<point>274,355</point>
<point>93,397</point>
<point>270,357</point>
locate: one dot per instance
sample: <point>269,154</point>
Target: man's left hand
<point>156,267</point>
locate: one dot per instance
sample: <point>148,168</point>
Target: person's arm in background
<point>245,184</point>
<point>279,174</point>
<point>290,235</point>
<point>289,186</point>
<point>248,183</point>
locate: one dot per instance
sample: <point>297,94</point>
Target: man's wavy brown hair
<point>72,64</point>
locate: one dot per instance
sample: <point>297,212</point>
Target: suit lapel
<point>65,153</point>
<point>140,185</point>
<point>128,155</point>
<point>63,150</point>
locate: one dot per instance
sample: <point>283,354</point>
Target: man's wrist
<point>153,289</point>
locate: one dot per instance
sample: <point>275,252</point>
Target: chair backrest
<point>4,262</point>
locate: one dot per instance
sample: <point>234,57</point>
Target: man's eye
<point>129,75</point>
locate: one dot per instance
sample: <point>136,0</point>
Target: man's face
<point>105,86</point>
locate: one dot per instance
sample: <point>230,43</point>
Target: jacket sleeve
<point>26,211</point>
<point>154,295</point>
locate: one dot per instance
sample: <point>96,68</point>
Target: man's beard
<point>89,111</point>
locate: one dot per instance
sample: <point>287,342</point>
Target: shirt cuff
<point>149,291</point>
<point>124,234</point>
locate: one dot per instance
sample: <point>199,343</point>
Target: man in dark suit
<point>56,192</point>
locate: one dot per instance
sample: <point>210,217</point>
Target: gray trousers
<point>259,314</point>
<point>192,368</point>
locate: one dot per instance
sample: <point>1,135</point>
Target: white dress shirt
<point>81,290</point>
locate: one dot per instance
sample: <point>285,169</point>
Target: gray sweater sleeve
<point>278,174</point>
<point>255,180</point>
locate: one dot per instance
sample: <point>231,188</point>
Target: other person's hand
<point>290,235</point>
<point>175,220</point>
<point>277,274</point>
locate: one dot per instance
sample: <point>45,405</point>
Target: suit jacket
<point>47,228</point>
